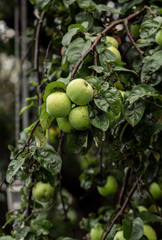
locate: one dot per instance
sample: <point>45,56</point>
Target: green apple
<point>141,208</point>
<point>112,41</point>
<point>79,118</point>
<point>115,51</point>
<point>64,124</point>
<point>119,236</point>
<point>149,232</point>
<point>80,91</point>
<point>155,190</point>
<point>58,104</point>
<point>110,187</point>
<point>134,30</point>
<point>42,192</point>
<point>158,38</point>
<point>96,232</point>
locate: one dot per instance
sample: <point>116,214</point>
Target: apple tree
<point>96,139</point>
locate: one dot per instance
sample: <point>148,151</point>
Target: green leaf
<point>76,50</point>
<point>13,168</point>
<point>149,27</point>
<point>45,118</point>
<point>68,36</point>
<point>140,91</point>
<point>131,4</point>
<point>20,233</point>
<point>7,238</point>
<point>150,217</point>
<point>85,17</point>
<point>51,86</point>
<point>127,227</point>
<point>40,3</point>
<point>48,159</point>
<point>137,229</point>
<point>155,129</point>
<point>109,101</point>
<point>26,108</point>
<point>76,141</point>
<point>31,98</point>
<point>105,8</point>
<point>151,65</point>
<point>97,69</point>
<point>86,4</point>
<point>65,80</point>
<point>67,3</point>
<point>41,140</point>
<point>28,129</point>
<point>85,181</point>
<point>133,112</point>
<point>122,69</point>
<point>98,118</point>
<point>106,56</point>
<point>112,233</point>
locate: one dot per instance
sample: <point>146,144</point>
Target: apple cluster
<point>60,105</point>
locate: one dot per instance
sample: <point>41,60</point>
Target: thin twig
<point>124,187</point>
<point>102,34</point>
<point>36,56</point>
<point>28,139</point>
<point>123,207</point>
<point>133,42</point>
<point>148,8</point>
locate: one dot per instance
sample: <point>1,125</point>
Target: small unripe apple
<point>155,190</point>
<point>96,232</point>
<point>149,232</point>
<point>80,91</point>
<point>64,124</point>
<point>109,188</point>
<point>119,236</point>
<point>115,51</point>
<point>158,38</point>
<point>42,192</point>
<point>79,118</point>
<point>58,104</point>
<point>112,41</point>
